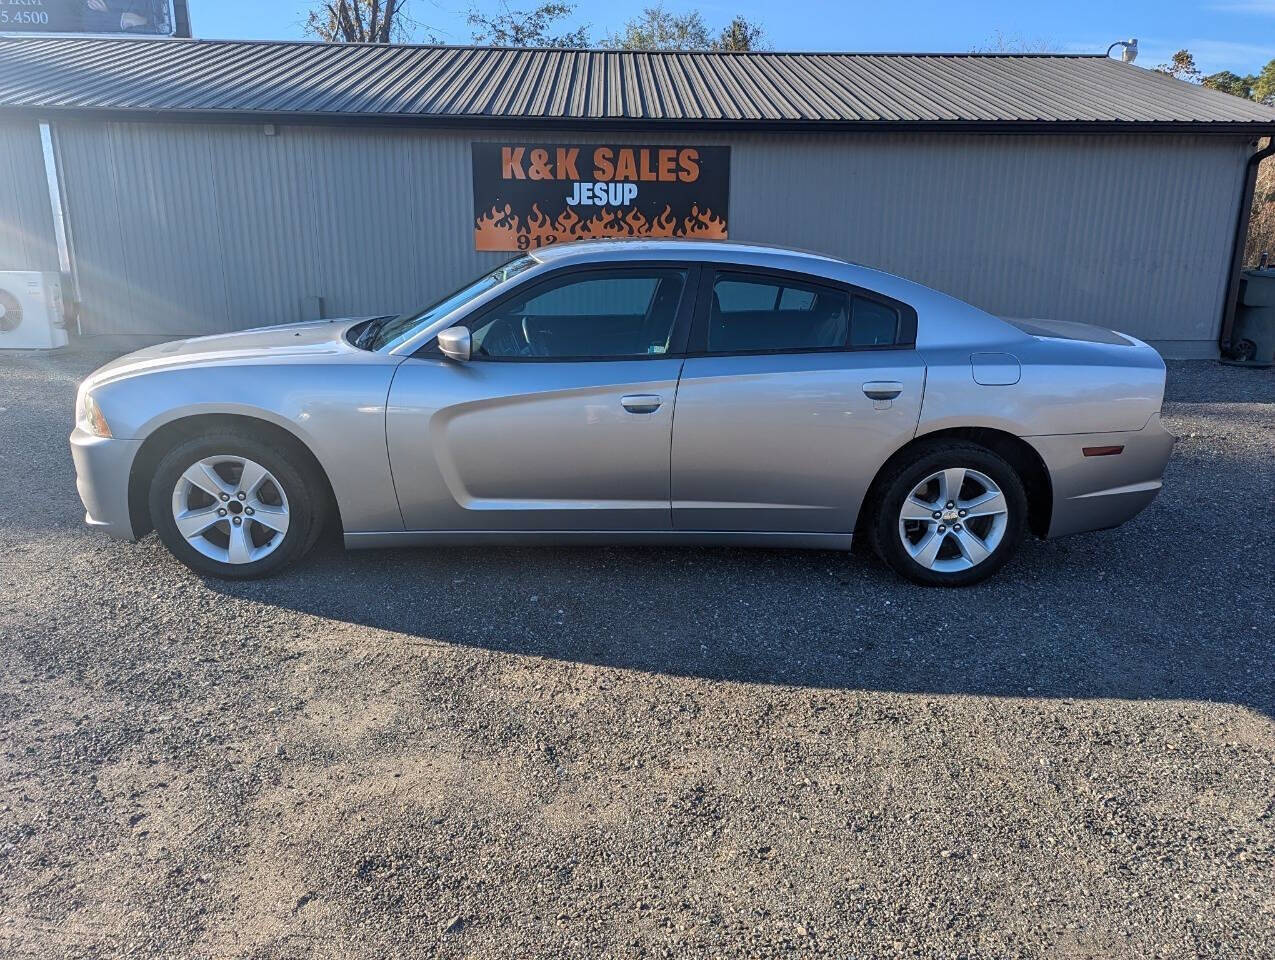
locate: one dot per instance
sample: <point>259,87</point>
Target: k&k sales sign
<point>529,195</point>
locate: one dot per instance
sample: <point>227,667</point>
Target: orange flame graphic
<point>502,229</point>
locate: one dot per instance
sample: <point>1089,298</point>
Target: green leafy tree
<point>658,29</point>
<point>1263,85</point>
<point>655,28</point>
<point>740,35</point>
<point>539,26</point>
<point>1259,87</point>
<point>1231,83</point>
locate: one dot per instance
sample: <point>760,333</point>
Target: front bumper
<point>102,468</point>
<point>1095,493</point>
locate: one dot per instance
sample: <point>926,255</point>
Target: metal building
<point>190,187</point>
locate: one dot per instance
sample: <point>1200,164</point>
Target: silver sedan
<point>633,392</point>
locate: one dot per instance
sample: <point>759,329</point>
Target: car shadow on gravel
<point>1115,614</point>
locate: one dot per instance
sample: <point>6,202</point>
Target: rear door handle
<point>641,403</point>
<point>882,389</point>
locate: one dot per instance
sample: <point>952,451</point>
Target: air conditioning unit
<point>31,316</point>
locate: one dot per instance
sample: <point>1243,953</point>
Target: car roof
<point>968,323</point>
<point>661,249</point>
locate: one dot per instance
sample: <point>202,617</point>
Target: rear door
<point>794,392</point>
<point>562,419</point>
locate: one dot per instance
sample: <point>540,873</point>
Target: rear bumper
<point>102,468</point>
<point>1094,493</point>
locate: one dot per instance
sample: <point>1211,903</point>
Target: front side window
<point>623,313</point>
<point>391,331</point>
<point>763,313</point>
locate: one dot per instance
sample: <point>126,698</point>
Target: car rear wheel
<point>950,516</point>
<point>232,506</point>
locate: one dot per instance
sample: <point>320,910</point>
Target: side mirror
<point>455,343</point>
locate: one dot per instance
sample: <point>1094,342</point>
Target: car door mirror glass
<point>455,343</point>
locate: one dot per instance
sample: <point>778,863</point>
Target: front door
<point>562,419</point>
<point>799,391</point>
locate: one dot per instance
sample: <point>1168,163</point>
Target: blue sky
<point>1223,34</point>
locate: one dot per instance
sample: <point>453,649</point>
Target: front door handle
<point>641,403</point>
<point>882,389</point>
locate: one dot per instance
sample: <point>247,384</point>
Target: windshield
<point>393,332</point>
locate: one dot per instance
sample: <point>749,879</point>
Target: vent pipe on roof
<point>1129,53</point>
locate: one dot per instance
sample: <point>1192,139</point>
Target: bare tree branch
<point>362,21</point>
<point>537,26</point>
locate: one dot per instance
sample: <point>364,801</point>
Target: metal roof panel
<point>443,83</point>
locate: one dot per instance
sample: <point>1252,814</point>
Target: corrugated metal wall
<point>1128,232</point>
<point>184,229</point>
<point>199,229</point>
<point>26,219</point>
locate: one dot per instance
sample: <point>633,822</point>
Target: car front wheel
<point>950,516</point>
<point>232,506</point>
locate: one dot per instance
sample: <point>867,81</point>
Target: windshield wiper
<point>369,333</point>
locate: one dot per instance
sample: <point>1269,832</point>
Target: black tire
<point>303,493</point>
<point>903,477</point>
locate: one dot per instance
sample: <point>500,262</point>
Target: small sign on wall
<point>126,17</point>
<point>529,195</point>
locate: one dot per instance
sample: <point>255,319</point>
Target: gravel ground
<point>659,752</point>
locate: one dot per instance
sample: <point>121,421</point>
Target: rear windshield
<point>1068,330</point>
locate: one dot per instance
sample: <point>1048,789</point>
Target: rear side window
<point>763,313</point>
<point>873,324</point>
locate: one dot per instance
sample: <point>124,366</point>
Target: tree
<point>1259,87</point>
<point>658,29</point>
<point>360,21</point>
<point>531,27</point>
<point>1181,66</point>
<point>1000,42</point>
<point>740,35</point>
<point>1263,85</point>
<point>1231,83</point>
<point>1261,223</point>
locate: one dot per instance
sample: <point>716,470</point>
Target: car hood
<point>284,343</point>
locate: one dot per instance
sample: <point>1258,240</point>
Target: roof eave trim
<point>1259,128</point>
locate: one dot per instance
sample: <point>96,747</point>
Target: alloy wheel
<point>953,520</point>
<point>231,509</point>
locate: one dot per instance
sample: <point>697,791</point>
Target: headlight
<point>89,418</point>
